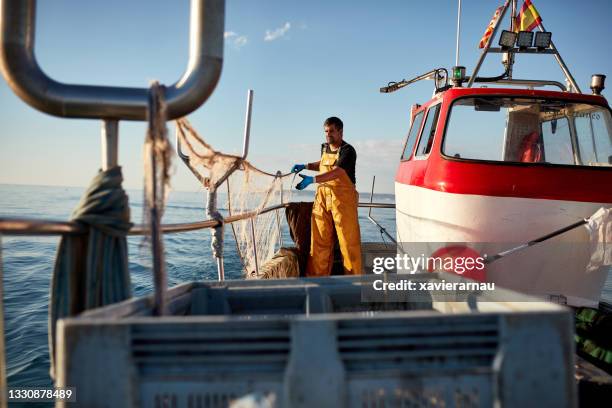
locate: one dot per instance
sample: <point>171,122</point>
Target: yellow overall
<point>335,204</point>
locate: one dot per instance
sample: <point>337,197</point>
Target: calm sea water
<point>28,263</point>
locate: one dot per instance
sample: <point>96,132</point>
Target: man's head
<point>333,131</point>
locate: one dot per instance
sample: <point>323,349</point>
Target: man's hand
<point>297,168</point>
<point>306,181</point>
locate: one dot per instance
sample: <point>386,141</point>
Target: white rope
<point>157,160</point>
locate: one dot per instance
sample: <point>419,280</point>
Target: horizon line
<point>141,189</point>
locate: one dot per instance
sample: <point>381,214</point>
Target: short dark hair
<point>334,121</point>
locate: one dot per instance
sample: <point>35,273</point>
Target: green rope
<point>592,336</point>
<point>91,270</point>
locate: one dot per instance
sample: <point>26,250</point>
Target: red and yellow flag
<point>489,31</point>
<point>528,18</point>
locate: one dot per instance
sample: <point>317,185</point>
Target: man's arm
<point>330,175</point>
<point>313,166</point>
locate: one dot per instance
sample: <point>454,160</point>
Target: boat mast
<point>458,34</point>
<point>508,57</point>
<point>509,52</point>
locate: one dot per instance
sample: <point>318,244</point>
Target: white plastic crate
<point>299,351</point>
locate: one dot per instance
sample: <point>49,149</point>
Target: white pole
<point>458,32</point>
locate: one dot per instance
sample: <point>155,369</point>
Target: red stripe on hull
<point>552,183</point>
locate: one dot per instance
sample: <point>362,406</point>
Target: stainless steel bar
<point>376,205</point>
<point>245,145</point>
<point>110,143</point>
<point>220,269</point>
<point>247,124</point>
<point>486,49</point>
<point>564,67</point>
<point>23,74</point>
<point>382,229</point>
<point>372,192</point>
<point>254,246</point>
<point>530,82</point>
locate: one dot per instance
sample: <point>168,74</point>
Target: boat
<point>332,341</point>
<point>485,170</point>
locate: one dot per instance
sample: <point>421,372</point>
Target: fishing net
<point>244,189</point>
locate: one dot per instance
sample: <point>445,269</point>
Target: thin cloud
<point>278,33</point>
<point>240,41</point>
<point>234,38</point>
<point>386,153</point>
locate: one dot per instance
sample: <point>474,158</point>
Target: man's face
<point>332,135</point>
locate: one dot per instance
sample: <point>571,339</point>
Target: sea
<point>27,262</point>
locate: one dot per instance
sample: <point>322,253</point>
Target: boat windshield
<point>525,130</point>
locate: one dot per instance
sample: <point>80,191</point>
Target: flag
<point>489,31</point>
<point>528,18</point>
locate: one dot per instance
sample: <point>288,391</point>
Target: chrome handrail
<point>20,68</point>
<point>528,82</point>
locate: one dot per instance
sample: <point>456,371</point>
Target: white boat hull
<point>554,269</point>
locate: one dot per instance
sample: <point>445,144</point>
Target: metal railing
<point>29,226</point>
<point>21,70</point>
<point>38,227</point>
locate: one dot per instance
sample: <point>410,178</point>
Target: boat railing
<point>22,72</point>
<point>41,227</point>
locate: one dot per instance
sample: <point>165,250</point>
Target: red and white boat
<point>492,168</point>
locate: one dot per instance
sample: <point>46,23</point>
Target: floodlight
<point>507,39</point>
<point>525,39</point>
<point>542,39</point>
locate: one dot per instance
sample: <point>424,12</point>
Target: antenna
<point>458,33</point>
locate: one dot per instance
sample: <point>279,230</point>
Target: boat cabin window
<point>428,132</point>
<point>525,130</point>
<point>412,135</point>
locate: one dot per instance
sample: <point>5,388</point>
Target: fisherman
<point>335,204</point>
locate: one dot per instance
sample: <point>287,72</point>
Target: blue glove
<point>297,168</point>
<point>306,181</point>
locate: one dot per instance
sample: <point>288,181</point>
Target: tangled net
<point>247,190</point>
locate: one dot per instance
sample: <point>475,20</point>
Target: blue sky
<point>305,60</point>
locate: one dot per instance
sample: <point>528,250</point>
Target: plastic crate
<point>294,342</point>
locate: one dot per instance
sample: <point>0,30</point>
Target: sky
<point>305,61</point>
